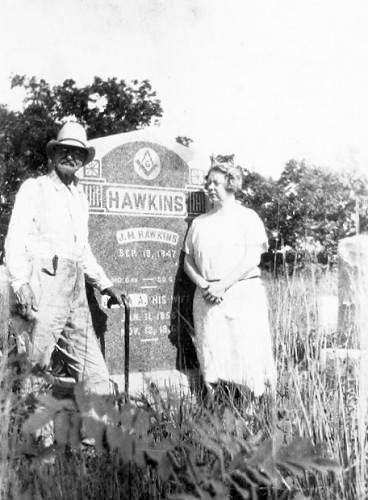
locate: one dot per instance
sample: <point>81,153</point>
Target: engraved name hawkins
<point>136,200</point>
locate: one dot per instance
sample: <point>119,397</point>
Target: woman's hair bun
<point>226,165</point>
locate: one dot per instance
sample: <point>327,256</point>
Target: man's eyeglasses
<point>76,153</point>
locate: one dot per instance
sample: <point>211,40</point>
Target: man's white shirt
<point>48,219</point>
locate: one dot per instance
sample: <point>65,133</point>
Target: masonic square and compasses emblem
<point>147,164</point>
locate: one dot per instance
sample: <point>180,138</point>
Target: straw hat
<point>73,135</point>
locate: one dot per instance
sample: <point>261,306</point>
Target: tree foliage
<point>105,107</point>
<point>184,140</point>
<point>308,209</point>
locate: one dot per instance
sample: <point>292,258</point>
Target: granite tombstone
<point>142,197</point>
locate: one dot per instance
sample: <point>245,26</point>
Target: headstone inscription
<point>142,197</point>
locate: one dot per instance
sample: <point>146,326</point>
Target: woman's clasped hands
<point>214,292</point>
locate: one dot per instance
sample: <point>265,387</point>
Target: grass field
<point>309,441</point>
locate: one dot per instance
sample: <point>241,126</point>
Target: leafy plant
<point>208,455</point>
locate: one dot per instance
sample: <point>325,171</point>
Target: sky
<point>268,80</point>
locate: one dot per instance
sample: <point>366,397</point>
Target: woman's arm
<point>192,272</point>
<point>250,260</point>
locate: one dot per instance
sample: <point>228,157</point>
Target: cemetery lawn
<point>307,442</point>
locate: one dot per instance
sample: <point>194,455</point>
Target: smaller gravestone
<point>353,288</point>
<point>353,310</point>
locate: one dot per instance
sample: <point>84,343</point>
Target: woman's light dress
<point>232,338</point>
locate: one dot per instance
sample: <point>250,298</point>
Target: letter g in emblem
<point>147,164</point>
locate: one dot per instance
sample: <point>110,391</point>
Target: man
<point>48,258</point>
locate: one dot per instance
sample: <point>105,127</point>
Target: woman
<point>223,249</point>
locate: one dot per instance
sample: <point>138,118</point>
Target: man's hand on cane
<point>115,294</point>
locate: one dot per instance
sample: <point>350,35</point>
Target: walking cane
<point>110,302</point>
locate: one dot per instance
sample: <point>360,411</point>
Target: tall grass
<point>318,398</point>
<point>174,445</point>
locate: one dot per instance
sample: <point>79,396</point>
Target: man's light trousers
<point>63,320</point>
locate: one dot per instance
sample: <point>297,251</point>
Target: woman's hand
<point>214,292</point>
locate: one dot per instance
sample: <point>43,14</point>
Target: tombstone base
<point>139,382</point>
